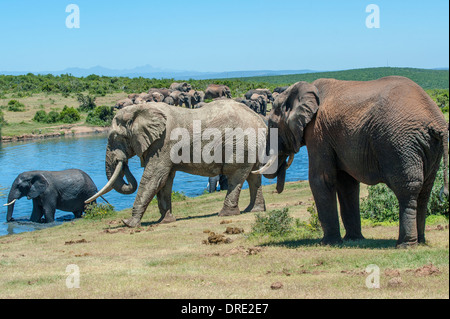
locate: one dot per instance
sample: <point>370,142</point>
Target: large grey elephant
<point>151,130</point>
<point>383,131</point>
<point>214,91</point>
<point>65,190</point>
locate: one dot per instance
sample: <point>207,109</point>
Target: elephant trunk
<point>115,174</point>
<point>111,164</point>
<point>14,195</point>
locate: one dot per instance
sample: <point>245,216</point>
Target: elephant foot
<point>227,211</point>
<point>255,209</point>
<point>353,237</point>
<point>331,241</point>
<point>406,245</point>
<point>421,239</point>
<point>168,218</point>
<point>132,222</point>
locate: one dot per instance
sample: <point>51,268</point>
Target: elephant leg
<point>212,187</point>
<point>257,203</point>
<point>348,195</point>
<point>235,182</point>
<point>422,205</point>
<point>49,213</point>
<point>37,212</point>
<point>407,195</point>
<point>152,181</point>
<point>77,214</point>
<point>323,187</point>
<point>165,201</point>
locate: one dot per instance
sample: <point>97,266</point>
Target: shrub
<point>178,196</point>
<point>273,223</point>
<point>69,115</point>
<point>40,116</point>
<point>99,211</point>
<point>87,103</point>
<point>15,106</point>
<point>382,205</point>
<point>101,116</point>
<point>52,117</point>
<point>313,223</point>
<point>435,205</point>
<point>441,97</point>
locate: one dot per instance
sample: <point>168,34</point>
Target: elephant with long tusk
<point>383,131</point>
<point>152,131</point>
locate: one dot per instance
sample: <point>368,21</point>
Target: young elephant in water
<point>64,190</point>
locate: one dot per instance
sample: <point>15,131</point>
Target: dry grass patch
<point>171,260</point>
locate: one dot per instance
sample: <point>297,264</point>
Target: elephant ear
<point>148,126</point>
<point>38,185</point>
<point>296,107</point>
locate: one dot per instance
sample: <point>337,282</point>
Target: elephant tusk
<point>291,159</point>
<point>12,202</point>
<point>108,187</point>
<point>266,167</point>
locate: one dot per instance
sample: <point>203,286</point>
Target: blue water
<point>88,154</point>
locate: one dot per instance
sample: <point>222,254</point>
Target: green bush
<point>435,205</point>
<point>53,117</point>
<point>69,115</point>
<point>87,103</point>
<point>273,223</point>
<point>99,211</point>
<point>313,223</point>
<point>40,116</point>
<point>101,116</point>
<point>16,106</point>
<point>441,97</point>
<point>381,205</point>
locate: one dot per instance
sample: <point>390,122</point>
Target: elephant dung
<point>214,238</point>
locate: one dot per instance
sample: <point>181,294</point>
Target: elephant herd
<point>179,94</point>
<point>382,131</point>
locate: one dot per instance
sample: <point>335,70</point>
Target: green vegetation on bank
<point>85,93</point>
<point>23,85</point>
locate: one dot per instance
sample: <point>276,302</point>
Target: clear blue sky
<point>229,35</point>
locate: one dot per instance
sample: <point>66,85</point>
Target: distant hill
<point>150,72</point>
<point>426,78</point>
